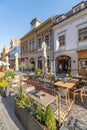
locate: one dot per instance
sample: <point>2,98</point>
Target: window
<point>47,40</point>
<point>26,48</point>
<point>32,46</point>
<point>83,64</point>
<point>59,19</point>
<point>78,9</point>
<point>39,43</point>
<point>83,34</point>
<point>62,40</point>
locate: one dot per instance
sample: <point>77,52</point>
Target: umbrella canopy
<point>2,63</point>
<point>44,47</point>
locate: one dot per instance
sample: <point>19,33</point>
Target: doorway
<point>63,64</point>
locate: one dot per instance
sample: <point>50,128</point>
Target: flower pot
<point>27,120</point>
<point>7,91</point>
<point>2,91</point>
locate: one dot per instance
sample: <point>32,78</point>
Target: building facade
<point>4,53</point>
<point>15,48</point>
<point>31,43</point>
<point>70,41</point>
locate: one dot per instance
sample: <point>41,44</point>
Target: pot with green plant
<point>9,74</point>
<point>2,75</point>
<point>27,112</point>
<point>50,121</point>
<point>4,88</point>
<point>30,66</point>
<point>38,71</point>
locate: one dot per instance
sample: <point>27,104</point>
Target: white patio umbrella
<point>16,62</point>
<point>7,62</point>
<point>2,63</point>
<point>44,46</point>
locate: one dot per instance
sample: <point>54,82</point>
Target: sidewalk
<point>8,120</point>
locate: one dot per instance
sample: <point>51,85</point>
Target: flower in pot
<point>4,87</point>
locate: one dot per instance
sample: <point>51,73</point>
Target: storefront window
<point>82,64</point>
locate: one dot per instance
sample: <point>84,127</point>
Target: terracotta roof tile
<point>15,41</point>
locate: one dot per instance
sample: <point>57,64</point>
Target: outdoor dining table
<point>65,85</point>
<point>42,97</point>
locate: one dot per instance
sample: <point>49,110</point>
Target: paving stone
<point>8,120</point>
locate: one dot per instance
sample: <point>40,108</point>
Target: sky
<point>16,15</point>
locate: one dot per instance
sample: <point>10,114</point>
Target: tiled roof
<point>15,41</point>
<point>70,13</point>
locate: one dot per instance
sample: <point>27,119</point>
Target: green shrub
<point>2,75</point>
<point>50,119</point>
<point>38,71</point>
<point>4,83</point>
<point>23,99</point>
<point>9,73</point>
<point>39,113</point>
<point>30,66</point>
<point>20,93</point>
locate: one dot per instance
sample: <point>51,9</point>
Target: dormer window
<point>59,19</point>
<point>35,23</point>
<point>78,7</point>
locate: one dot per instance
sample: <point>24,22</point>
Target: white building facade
<point>70,40</point>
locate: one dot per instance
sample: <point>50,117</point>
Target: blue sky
<point>16,15</point>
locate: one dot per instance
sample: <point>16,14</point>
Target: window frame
<point>62,40</point>
<point>82,34</point>
<point>47,40</point>
<point>39,43</point>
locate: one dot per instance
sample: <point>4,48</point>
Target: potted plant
<point>27,111</point>
<point>9,74</point>
<point>50,119</point>
<point>22,65</point>
<point>2,75</point>
<point>30,112</point>
<point>4,88</point>
<point>30,66</point>
<point>38,71</point>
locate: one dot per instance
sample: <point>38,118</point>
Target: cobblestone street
<point>76,121</point>
<point>8,120</point>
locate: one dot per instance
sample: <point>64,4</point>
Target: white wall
<point>71,33</point>
<point>70,28</point>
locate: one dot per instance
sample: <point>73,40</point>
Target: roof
<point>70,13</point>
<point>15,41</point>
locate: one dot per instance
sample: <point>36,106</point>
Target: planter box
<point>4,91</point>
<point>27,120</point>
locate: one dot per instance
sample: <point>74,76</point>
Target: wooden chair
<point>77,91</point>
<point>63,93</point>
<point>63,110</point>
